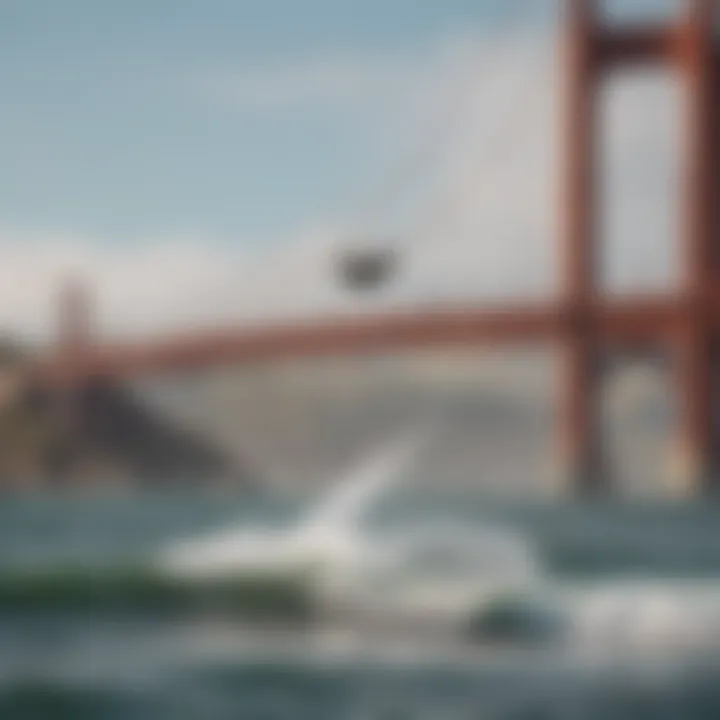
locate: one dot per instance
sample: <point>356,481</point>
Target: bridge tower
<point>690,48</point>
<point>74,338</point>
<point>74,317</point>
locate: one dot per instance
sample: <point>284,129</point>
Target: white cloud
<point>483,205</point>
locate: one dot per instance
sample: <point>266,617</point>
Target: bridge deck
<point>643,322</point>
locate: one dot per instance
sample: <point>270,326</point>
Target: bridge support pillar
<point>583,468</point>
<point>698,464</point>
<point>697,383</point>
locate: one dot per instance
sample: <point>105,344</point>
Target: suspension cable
<point>369,266</point>
<point>407,175</point>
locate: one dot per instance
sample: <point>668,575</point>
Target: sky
<point>202,161</point>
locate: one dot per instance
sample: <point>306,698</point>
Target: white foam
<point>330,535</point>
<point>440,568</point>
<point>648,618</point>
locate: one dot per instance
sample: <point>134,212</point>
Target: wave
<point>249,597</point>
<point>427,571</point>
<point>330,533</point>
<point>611,618</point>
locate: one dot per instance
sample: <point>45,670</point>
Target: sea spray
<point>330,535</point>
<point>445,573</point>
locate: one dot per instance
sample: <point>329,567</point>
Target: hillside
<point>117,440</point>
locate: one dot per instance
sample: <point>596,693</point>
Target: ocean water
<point>451,607</point>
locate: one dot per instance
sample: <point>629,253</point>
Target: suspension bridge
<point>579,319</point>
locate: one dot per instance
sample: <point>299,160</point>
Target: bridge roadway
<point>640,323</point>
